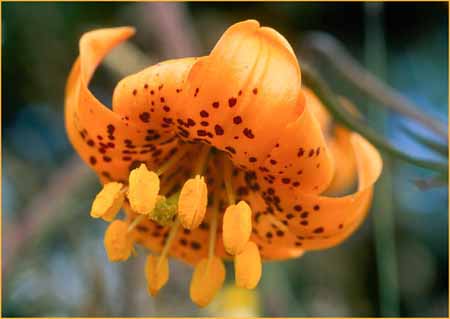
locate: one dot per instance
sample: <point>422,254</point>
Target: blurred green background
<point>54,264</point>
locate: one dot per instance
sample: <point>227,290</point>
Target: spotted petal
<point>318,221</point>
<point>110,143</point>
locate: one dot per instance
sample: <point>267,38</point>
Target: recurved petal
<point>149,97</point>
<point>319,111</point>
<point>300,159</point>
<point>316,220</point>
<point>243,93</point>
<point>344,160</point>
<point>108,142</point>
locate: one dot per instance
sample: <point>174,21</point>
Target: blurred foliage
<point>63,270</point>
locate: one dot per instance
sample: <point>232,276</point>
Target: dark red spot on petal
<point>232,102</point>
<point>219,130</point>
<point>318,230</point>
<point>248,133</point>
<point>237,120</point>
<point>145,117</point>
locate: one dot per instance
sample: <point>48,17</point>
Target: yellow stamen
<point>247,267</point>
<point>208,278</point>
<point>192,202</point>
<point>202,159</point>
<point>118,243</point>
<point>172,161</point>
<point>170,238</point>
<point>135,222</point>
<point>108,201</point>
<point>167,185</point>
<point>209,273</point>
<point>157,268</point>
<point>156,273</point>
<point>143,190</point>
<point>237,227</point>
<point>213,226</point>
<point>227,175</point>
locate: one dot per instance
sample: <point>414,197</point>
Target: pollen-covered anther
<point>192,202</point>
<point>108,201</point>
<point>143,190</point>
<point>118,242</point>
<point>156,273</point>
<point>165,210</point>
<point>208,278</point>
<point>247,267</point>
<point>237,227</point>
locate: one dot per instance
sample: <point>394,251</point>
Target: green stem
<point>383,208</point>
<point>311,79</point>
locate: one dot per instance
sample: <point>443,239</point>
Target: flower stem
<point>331,102</point>
<point>383,217</point>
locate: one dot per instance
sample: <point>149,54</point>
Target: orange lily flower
<point>235,124</point>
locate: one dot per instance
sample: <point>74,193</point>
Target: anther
<point>108,201</point>
<point>209,273</point>
<point>165,210</point>
<point>237,227</point>
<point>247,267</point>
<point>156,273</point>
<point>143,190</point>
<point>208,278</point>
<point>192,202</point>
<point>118,243</point>
<point>157,268</point>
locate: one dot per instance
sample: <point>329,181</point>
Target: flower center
<point>186,207</point>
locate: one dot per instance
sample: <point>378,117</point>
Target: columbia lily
<point>224,156</point>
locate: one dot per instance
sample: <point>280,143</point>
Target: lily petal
<point>108,142</point>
